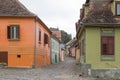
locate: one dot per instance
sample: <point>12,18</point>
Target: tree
<point>65,37</point>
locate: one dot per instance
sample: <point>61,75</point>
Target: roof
<point>99,12</point>
<point>87,1</point>
<point>44,25</point>
<point>107,25</point>
<point>54,37</point>
<point>13,8</point>
<point>54,29</point>
<point>71,42</point>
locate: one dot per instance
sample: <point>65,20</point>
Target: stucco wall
<point>77,54</point>
<point>93,50</point>
<point>24,46</point>
<point>42,49</point>
<point>55,50</point>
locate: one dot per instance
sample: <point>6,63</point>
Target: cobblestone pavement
<point>61,71</point>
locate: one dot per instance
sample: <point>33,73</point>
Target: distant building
<point>55,49</point>
<point>62,52</point>
<point>70,47</point>
<point>56,32</point>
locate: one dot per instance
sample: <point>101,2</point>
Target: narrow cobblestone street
<point>61,71</point>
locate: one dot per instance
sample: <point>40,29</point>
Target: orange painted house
<point>24,38</point>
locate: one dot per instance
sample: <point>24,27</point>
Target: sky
<point>62,14</point>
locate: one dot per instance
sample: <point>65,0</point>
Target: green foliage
<point>65,37</point>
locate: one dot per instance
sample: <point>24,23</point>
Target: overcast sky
<point>57,13</point>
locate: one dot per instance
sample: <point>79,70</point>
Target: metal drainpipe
<point>34,63</point>
<point>51,48</point>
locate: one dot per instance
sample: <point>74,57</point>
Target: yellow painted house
<point>99,38</point>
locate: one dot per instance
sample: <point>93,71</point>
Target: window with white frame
<point>13,32</point>
<point>118,8</point>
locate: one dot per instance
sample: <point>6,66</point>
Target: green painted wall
<point>93,49</point>
<point>55,50</point>
<point>117,46</point>
<point>113,7</point>
<point>93,46</point>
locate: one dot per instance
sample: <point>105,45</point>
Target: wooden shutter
<point>8,32</point>
<point>18,32</point>
<point>45,38</point>
<point>104,45</point>
<point>107,45</point>
<point>39,35</point>
<point>111,46</point>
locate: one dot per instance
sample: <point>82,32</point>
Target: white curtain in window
<point>118,9</point>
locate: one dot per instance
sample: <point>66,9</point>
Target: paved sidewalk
<point>67,70</point>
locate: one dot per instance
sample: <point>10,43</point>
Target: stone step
<point>3,65</point>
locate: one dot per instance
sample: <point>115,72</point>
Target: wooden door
<point>4,57</point>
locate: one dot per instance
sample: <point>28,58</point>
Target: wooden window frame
<point>13,32</point>
<point>108,45</point>
<point>117,2</point>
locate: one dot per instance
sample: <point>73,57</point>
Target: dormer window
<point>118,8</point>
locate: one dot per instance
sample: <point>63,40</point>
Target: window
<point>39,36</point>
<point>118,8</point>
<point>13,32</point>
<point>45,39</point>
<point>107,45</point>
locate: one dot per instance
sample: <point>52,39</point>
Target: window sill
<point>117,16</point>
<point>14,39</point>
<point>39,42</point>
<point>46,45</point>
<point>107,57</point>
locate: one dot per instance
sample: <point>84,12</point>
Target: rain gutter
<point>95,25</point>
<point>35,27</point>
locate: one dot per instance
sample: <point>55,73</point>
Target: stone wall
<point>86,71</point>
<point>106,73</point>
